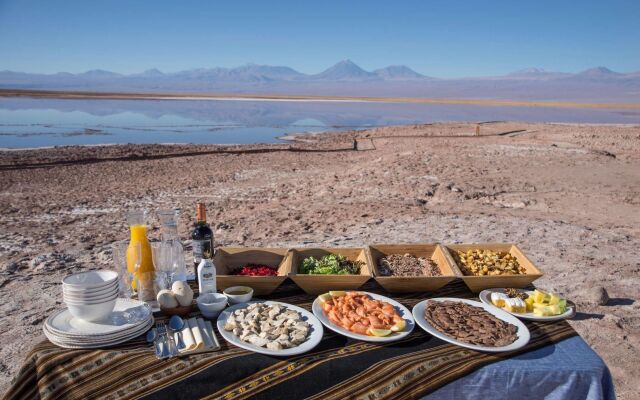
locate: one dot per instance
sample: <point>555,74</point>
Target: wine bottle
<point>201,238</point>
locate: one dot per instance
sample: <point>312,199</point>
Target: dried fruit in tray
<point>256,270</point>
<point>480,262</point>
<point>407,265</point>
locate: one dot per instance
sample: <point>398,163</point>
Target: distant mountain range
<point>347,78</point>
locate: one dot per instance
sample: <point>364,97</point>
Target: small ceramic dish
<point>211,304</point>
<point>238,294</point>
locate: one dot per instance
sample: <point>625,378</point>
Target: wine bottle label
<point>201,249</point>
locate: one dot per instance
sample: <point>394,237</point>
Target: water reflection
<point>48,122</point>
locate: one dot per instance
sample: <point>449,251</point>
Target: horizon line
<point>60,94</point>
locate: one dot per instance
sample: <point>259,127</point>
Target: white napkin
<point>206,336</point>
<point>197,335</point>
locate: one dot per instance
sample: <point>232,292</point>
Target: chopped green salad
<point>331,264</point>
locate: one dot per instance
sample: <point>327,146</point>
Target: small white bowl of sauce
<point>238,294</point>
<point>211,304</point>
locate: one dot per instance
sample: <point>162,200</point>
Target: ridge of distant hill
<point>346,78</point>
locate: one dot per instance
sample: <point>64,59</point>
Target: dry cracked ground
<point>568,194</point>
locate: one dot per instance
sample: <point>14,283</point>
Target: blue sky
<point>437,38</point>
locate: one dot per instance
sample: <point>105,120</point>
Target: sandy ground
<point>568,194</point>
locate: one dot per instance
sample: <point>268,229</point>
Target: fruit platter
<point>363,316</point>
<point>533,305</point>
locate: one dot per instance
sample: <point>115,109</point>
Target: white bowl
<point>211,304</point>
<point>103,288</point>
<point>93,299</point>
<point>238,298</point>
<point>91,292</point>
<point>90,279</point>
<point>92,312</point>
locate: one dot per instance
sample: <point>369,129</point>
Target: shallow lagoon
<point>28,122</point>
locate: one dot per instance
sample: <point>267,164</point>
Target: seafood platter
<point>270,327</point>
<point>365,316</point>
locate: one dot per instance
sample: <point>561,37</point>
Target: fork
<point>162,336</point>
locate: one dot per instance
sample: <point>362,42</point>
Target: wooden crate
<point>479,283</point>
<point>406,284</point>
<point>228,259</point>
<point>317,284</point>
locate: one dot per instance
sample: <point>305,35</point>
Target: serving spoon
<point>176,324</point>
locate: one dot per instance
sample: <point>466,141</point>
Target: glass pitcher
<point>169,235</point>
<point>145,274</point>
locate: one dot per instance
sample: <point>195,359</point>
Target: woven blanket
<point>338,368</point>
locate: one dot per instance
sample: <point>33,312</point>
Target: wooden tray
<point>402,284</point>
<point>479,283</point>
<point>228,259</point>
<point>317,284</point>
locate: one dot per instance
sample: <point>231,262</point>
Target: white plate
<point>94,345</point>
<point>117,335</point>
<point>523,332</point>
<point>312,341</point>
<point>98,341</point>
<point>485,297</point>
<point>128,314</point>
<point>402,310</point>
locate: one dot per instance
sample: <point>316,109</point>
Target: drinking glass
<point>163,262</point>
<point>120,251</point>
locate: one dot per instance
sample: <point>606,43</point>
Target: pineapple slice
<point>539,296</point>
<point>529,303</point>
<point>554,299</point>
<point>547,311</point>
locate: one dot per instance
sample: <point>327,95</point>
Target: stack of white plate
<point>91,295</point>
<point>128,319</point>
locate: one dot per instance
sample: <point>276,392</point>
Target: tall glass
<point>145,273</point>
<point>126,278</point>
<point>169,231</point>
<point>163,261</point>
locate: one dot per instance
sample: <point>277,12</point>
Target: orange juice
<point>146,271</point>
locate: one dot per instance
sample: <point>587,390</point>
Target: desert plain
<point>569,195</point>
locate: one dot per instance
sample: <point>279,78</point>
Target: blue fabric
<point>566,370</point>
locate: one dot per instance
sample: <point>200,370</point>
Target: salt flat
<point>568,194</point>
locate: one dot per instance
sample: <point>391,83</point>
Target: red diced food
<point>256,270</point>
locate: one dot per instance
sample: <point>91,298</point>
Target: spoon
<point>152,337</point>
<point>176,324</point>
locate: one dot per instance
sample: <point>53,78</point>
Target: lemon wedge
<point>337,293</point>
<point>324,298</point>
<point>399,326</point>
<point>380,332</point>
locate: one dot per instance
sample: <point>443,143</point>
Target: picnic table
<point>556,363</point>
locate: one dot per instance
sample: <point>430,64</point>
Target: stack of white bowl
<point>91,295</point>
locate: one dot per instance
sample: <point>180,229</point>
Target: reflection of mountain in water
<point>329,114</point>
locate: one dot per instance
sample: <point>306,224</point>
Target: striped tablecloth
<point>338,368</point>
